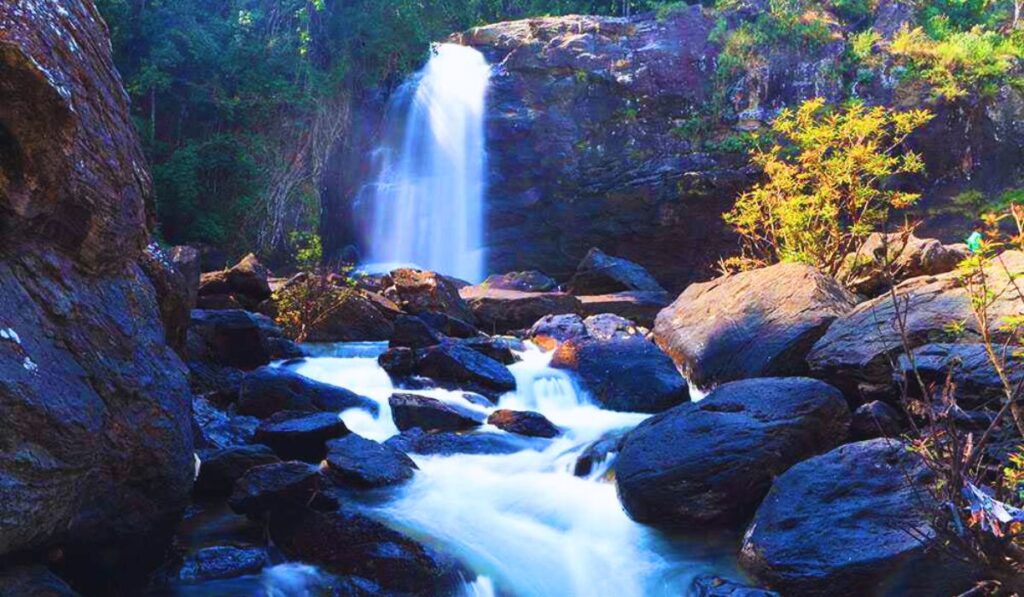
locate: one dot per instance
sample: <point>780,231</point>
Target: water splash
<point>426,205</point>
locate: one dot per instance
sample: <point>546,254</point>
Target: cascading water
<point>425,206</point>
<point>523,522</point>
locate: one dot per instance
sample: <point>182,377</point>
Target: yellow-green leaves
<point>823,189</point>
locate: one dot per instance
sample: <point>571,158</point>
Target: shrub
<point>308,299</point>
<point>823,191</point>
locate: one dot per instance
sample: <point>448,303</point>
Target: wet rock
<point>463,367</point>
<point>709,585</point>
<point>598,451</point>
<point>628,374</point>
<point>348,543</point>
<point>431,414</point>
<point>448,325</point>
<point>641,307</point>
<point>875,419</point>
<point>551,330</point>
<point>599,273</point>
<point>269,390</point>
<point>398,362</point>
<point>708,464</point>
<point>414,332</point>
<point>279,486</point>
<point>220,469</point>
<point>221,562</point>
<point>247,282</point>
<point>759,323</point>
<point>97,439</point>
<point>235,339</point>
<point>496,347</point>
<point>900,256</point>
<point>416,291</point>
<point>216,428</point>
<point>417,441</point>
<point>608,326</point>
<point>528,281</point>
<point>220,385</point>
<point>523,423</point>
<point>849,521</point>
<point>172,293</point>
<point>186,261</point>
<point>300,436</point>
<point>33,581</point>
<point>361,317</point>
<point>967,365</point>
<point>354,461</point>
<point>501,311</point>
<point>855,353</point>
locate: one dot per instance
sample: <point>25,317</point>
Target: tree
<point>823,191</point>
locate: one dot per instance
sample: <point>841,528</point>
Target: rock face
<point>97,444</point>
<point>708,464</point>
<point>600,273</point>
<point>977,383</point>
<point>621,369</point>
<point>499,311</point>
<point>855,353</point>
<point>246,283</point>
<point>906,255</point>
<point>759,323</point>
<point>848,521</point>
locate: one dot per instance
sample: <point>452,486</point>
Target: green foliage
<point>823,191</point>
<point>309,299</point>
<point>308,250</point>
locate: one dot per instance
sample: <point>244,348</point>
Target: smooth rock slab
<point>850,522</point>
<point>300,436</point>
<point>759,323</point>
<point>708,464</point>
<point>355,461</point>
<point>431,414</point>
<point>269,390</point>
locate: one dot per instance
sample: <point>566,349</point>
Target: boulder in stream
<point>354,461</point>
<point>526,423</point>
<point>296,435</point>
<point>220,469</point>
<point>279,486</point>
<point>417,291</point>
<point>447,443</point>
<point>431,414</point>
<point>269,390</point>
<point>502,311</point>
<point>600,273</point>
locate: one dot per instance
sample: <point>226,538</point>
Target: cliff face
<point>96,408</point>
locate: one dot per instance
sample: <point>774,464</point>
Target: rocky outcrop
<point>849,521</point>
<point>599,273</point>
<point>417,291</point>
<point>500,311</point>
<point>96,449</point>
<point>856,352</point>
<point>708,464</point>
<point>758,323</point>
<point>887,259</point>
<point>246,283</point>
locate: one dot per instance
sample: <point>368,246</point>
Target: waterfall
<point>425,206</point>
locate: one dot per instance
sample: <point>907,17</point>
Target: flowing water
<point>523,522</point>
<point>425,206</point>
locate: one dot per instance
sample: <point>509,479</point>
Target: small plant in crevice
<point>309,299</point>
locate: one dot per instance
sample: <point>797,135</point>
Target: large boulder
<point>349,543</point>
<point>893,258</point>
<point>236,338</point>
<point>551,330</point>
<point>967,365</point>
<point>172,293</point>
<point>528,281</point>
<point>452,365</point>
<point>220,469</point>
<point>269,390</point>
<point>279,486</point>
<point>850,521</point>
<point>857,351</point>
<point>523,423</point>
<point>417,291</point>
<point>639,306</point>
<point>759,323</point>
<point>708,464</point>
<point>621,369</point>
<point>96,450</point>
<point>599,273</point>
<point>247,282</point>
<point>500,311</point>
<point>299,435</point>
<point>431,414</point>
<point>361,317</point>
<point>447,443</point>
<point>354,461</point>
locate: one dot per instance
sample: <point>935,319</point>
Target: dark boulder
<point>598,452</point>
<point>709,585</point>
<point>459,366</point>
<point>361,317</point>
<point>499,348</point>
<point>236,339</point>
<point>857,351</point>
<point>279,486</point>
<point>599,273</point>
<point>759,323</point>
<point>624,373</point>
<point>398,362</point>
<point>431,414</point>
<point>414,332</point>
<point>416,291</point>
<point>354,461</point>
<point>186,261</point>
<point>220,562</point>
<point>638,306</point>
<point>501,311</point>
<point>300,436</point>
<point>349,543</point>
<point>220,385</point>
<point>215,428</point>
<point>220,469</point>
<point>523,423</point>
<point>850,521</point>
<point>966,365</point>
<point>172,294</point>
<point>247,282</point>
<point>448,325</point>
<point>875,419</point>
<point>269,390</point>
<point>528,281</point>
<point>33,581</point>
<point>708,464</point>
<point>417,441</point>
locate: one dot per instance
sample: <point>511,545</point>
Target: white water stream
<point>425,206</point>
<point>524,522</point>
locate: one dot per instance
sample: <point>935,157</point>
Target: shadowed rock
<point>300,436</point>
<point>431,414</point>
<point>220,469</point>
<point>500,311</point>
<point>599,273</point>
<point>523,423</point>
<point>269,390</point>
<point>354,461</point>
